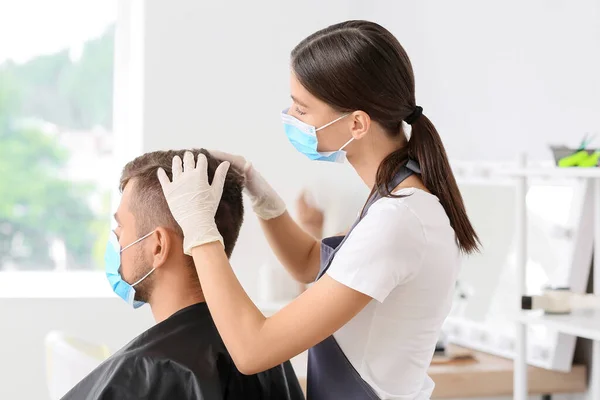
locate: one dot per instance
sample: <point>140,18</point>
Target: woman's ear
<point>161,246</point>
<point>361,122</point>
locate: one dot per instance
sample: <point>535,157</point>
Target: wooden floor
<point>489,375</point>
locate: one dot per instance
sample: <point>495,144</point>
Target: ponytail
<point>426,147</point>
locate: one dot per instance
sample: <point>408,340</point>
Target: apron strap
<point>410,168</point>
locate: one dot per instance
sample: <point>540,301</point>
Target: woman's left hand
<point>192,200</point>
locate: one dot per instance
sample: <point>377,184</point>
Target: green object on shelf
<point>581,157</point>
<point>591,160</point>
<point>574,159</point>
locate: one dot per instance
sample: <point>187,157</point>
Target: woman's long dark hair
<point>359,65</point>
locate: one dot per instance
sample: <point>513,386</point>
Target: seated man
<point>183,356</point>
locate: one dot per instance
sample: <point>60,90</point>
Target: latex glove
<point>266,203</point>
<point>192,200</point>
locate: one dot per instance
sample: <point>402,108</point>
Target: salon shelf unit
<point>581,323</point>
<point>584,324</point>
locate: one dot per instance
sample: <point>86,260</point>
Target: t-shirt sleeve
<point>383,251</point>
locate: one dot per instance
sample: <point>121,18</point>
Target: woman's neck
<point>368,153</point>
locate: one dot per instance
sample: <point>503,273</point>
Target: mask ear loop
<point>332,122</point>
<point>137,241</point>
<point>346,144</point>
<point>144,277</point>
<point>131,244</point>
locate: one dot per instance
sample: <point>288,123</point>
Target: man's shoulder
<point>100,382</point>
<point>126,375</point>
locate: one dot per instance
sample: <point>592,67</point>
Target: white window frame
<point>128,106</point>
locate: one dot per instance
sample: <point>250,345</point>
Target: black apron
<point>331,376</point>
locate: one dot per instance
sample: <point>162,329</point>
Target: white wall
<point>217,77</point>
<point>495,77</point>
<point>25,323</point>
<point>499,77</point>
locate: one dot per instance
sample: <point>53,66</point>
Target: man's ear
<point>161,246</point>
<point>361,122</point>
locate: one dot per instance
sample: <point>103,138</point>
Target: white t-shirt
<point>404,255</point>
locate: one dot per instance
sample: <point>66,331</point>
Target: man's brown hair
<point>150,208</point>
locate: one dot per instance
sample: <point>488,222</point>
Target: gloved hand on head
<point>266,203</point>
<point>192,200</point>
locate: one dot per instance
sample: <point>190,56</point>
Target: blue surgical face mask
<point>304,138</point>
<point>112,260</point>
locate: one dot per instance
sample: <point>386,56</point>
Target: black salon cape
<point>182,358</point>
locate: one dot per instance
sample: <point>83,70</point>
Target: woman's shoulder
<point>411,205</point>
<point>391,217</point>
<point>406,205</point>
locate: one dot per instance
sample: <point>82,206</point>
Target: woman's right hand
<point>296,249</point>
<point>266,203</point>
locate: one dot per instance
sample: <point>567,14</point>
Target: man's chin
<point>141,298</point>
<point>143,290</point>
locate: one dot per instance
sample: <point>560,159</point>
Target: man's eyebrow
<point>298,102</point>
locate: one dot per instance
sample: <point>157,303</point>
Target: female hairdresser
<point>372,318</point>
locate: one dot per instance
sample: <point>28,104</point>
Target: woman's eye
<point>300,112</point>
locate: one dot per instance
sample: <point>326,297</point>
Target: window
<point>56,140</point>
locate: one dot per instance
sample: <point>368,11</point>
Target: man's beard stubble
<point>142,266</point>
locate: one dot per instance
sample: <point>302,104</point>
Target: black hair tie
<point>418,111</point>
